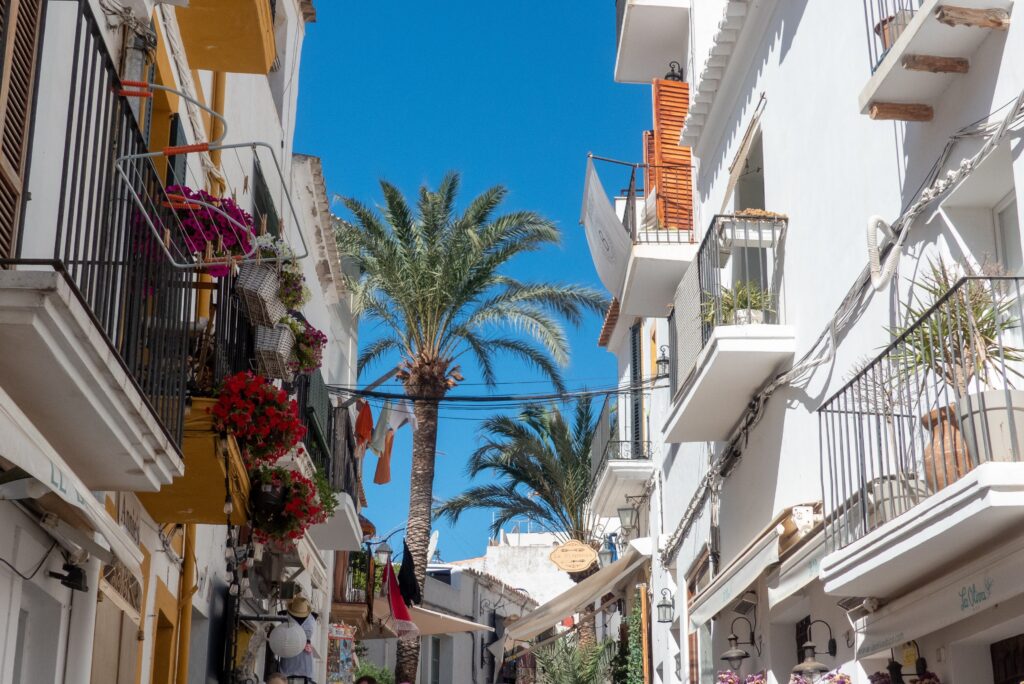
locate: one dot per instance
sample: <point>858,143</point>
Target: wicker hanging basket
<point>257,287</point>
<point>274,351</point>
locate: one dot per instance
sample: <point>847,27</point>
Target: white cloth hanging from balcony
<point>609,242</point>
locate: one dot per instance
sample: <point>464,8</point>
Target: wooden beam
<point>952,15</point>
<point>936,65</point>
<point>883,111</point>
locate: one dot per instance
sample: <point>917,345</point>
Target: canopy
<point>798,571</point>
<point>429,621</point>
<point>49,476</point>
<point>609,242</point>
<point>577,597</point>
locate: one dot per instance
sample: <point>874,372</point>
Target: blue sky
<point>515,93</point>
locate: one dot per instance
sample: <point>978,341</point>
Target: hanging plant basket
<point>267,500</point>
<point>296,505</point>
<point>274,348</point>
<point>257,287</point>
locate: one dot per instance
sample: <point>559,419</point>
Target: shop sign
<point>129,515</point>
<point>573,556</point>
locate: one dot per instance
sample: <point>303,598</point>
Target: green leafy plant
<point>956,329</point>
<point>381,674</point>
<point>743,296</point>
<point>568,661</point>
<point>328,497</point>
<point>635,662</point>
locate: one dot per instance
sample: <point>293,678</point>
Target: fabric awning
<point>797,571</point>
<point>735,579</point>
<point>25,447</point>
<point>609,242</point>
<point>429,621</point>
<point>575,598</point>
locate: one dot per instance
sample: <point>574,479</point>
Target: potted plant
<point>264,421</point>
<point>742,304</point>
<point>298,509</point>
<point>274,349</point>
<point>727,677</point>
<point>307,354</point>
<point>756,678</point>
<point>215,227</point>
<point>957,337</point>
<point>890,28</point>
<point>837,678</point>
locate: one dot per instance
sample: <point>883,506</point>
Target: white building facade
<point>833,450</point>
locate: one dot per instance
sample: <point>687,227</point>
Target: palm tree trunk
<point>417,531</point>
<point>588,627</point>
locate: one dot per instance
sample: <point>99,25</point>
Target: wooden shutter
<point>671,161</point>
<point>19,33</point>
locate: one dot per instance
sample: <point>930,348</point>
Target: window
<point>1008,246</point>
<point>435,660</point>
<point>263,202</point>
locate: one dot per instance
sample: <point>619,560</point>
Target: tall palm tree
<point>432,279</point>
<point>541,463</point>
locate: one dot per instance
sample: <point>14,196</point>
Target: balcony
<point>918,48</point>
<point>923,449</point>
<point>351,603</point>
<point>624,469</point>
<point>235,36</point>
<point>333,457</point>
<point>650,33</point>
<point>95,333</point>
<point>727,332</point>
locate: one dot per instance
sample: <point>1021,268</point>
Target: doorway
<point>1008,660</point>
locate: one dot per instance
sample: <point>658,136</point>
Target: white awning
<point>575,598</point>
<point>24,447</point>
<point>797,571</point>
<point>429,621</point>
<point>735,579</point>
<point>609,242</point>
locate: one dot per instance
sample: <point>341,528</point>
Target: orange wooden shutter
<point>648,161</point>
<point>671,161</point>
<point>19,32</point>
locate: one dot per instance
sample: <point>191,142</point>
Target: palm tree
<point>432,279</point>
<point>570,661</point>
<point>541,463</point>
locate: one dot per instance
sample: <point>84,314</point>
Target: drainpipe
<point>714,548</point>
<point>186,590</point>
<point>216,185</point>
<point>82,627</point>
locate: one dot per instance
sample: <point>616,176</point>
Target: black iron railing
<point>935,404</point>
<point>735,280</point>
<point>886,20</point>
<point>643,224</point>
<point>317,416</point>
<point>143,305</point>
<point>620,450</point>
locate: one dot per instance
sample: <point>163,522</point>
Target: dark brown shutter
<point>19,33</point>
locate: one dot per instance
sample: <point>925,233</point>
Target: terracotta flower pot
<point>945,459</point>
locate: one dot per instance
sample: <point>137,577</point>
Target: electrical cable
<point>35,571</point>
<point>511,399</point>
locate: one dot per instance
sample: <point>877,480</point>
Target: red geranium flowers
<point>300,510</point>
<point>260,416</point>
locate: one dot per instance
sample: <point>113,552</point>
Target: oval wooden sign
<point>573,556</point>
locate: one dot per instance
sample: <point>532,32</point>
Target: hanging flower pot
<point>308,352</point>
<point>268,499</point>
<point>257,286</point>
<point>262,418</point>
<point>300,505</point>
<point>274,347</point>
<point>216,228</point>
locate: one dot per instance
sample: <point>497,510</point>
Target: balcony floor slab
<point>652,276</point>
<point>620,478</point>
<point>58,367</point>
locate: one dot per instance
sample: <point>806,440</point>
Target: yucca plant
<point>433,281</point>
<point>743,296</point>
<point>956,330</point>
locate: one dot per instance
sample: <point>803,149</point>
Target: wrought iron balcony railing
<point>622,450</point>
<point>886,20</point>
<point>935,404</point>
<point>735,280</point>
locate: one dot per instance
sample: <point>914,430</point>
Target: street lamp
<point>663,363</point>
<point>810,669</point>
<point>735,655</point>
<point>382,554</point>
<point>604,556</point>
<point>666,608</point>
<point>627,517</point>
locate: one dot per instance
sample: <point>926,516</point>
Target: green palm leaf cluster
<point>433,278</point>
<point>569,661</point>
<point>540,461</point>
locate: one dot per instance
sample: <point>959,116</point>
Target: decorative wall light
<point>666,607</point>
<point>736,655</point>
<point>627,517</point>
<point>810,669</point>
<point>675,72</point>
<point>382,554</point>
<point>664,364</point>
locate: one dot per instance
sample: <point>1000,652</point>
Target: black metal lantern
<point>663,363</point>
<point>666,608</point>
<point>895,671</point>
<point>675,72</point>
<point>382,554</point>
<point>735,655</point>
<point>810,669</point>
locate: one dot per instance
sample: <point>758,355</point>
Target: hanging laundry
<point>404,413</point>
<point>383,473</point>
<point>403,625</point>
<point>364,424</point>
<point>380,432</point>
<point>407,583</point>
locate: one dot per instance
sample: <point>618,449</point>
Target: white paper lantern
<point>287,640</point>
